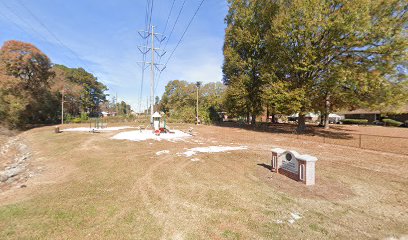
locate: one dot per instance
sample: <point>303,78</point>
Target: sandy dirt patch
<point>143,135</point>
<point>211,149</point>
<point>87,129</point>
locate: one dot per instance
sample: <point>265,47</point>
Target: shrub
<point>76,120</point>
<point>354,121</point>
<point>391,122</point>
<point>68,118</point>
<point>84,117</point>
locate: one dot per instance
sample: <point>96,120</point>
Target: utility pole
<point>147,106</point>
<point>116,104</point>
<point>62,106</point>
<point>144,50</point>
<point>198,84</point>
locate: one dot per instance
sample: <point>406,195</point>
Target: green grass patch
<point>229,234</point>
<point>11,211</point>
<point>318,228</point>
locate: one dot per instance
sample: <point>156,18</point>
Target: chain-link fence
<point>365,141</point>
<point>389,144</point>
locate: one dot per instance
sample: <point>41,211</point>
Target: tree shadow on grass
<point>290,129</point>
<point>340,127</point>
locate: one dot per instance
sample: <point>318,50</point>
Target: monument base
<point>288,174</point>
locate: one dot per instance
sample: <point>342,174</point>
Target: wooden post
<point>62,107</point>
<point>359,144</point>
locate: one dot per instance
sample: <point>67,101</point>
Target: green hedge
<point>354,121</point>
<point>391,122</point>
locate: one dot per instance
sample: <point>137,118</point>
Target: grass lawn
<point>89,186</point>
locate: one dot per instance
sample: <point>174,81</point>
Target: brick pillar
<point>307,169</point>
<point>274,162</point>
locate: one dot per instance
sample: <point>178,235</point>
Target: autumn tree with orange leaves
<point>32,88</point>
<point>25,72</point>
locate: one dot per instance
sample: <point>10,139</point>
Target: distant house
<point>108,114</point>
<point>373,116</point>
<point>309,117</point>
<point>335,118</point>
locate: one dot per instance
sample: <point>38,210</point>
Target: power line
<point>168,17</point>
<point>164,30</point>
<point>147,15</point>
<point>15,24</point>
<point>157,82</point>
<point>171,32</point>
<point>175,23</point>
<point>23,21</point>
<point>51,33</point>
<point>182,36</point>
<point>151,13</point>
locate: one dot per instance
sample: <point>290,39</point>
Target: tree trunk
<point>247,119</point>
<point>301,123</point>
<point>327,112</point>
<point>326,121</point>
<point>253,120</point>
<point>321,124</point>
<point>273,118</point>
<point>267,113</point>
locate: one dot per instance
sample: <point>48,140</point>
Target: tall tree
<point>179,101</point>
<point>26,63</point>
<point>86,93</point>
<point>67,90</point>
<point>341,53</point>
<point>24,81</point>
<point>244,55</point>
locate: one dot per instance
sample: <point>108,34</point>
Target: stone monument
<point>294,165</point>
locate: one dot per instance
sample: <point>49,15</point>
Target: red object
<point>157,132</point>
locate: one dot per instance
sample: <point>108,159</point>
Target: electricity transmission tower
<point>144,50</point>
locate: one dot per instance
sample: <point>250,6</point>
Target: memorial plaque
<point>290,163</point>
<point>294,165</point>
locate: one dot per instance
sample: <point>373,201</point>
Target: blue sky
<point>102,37</point>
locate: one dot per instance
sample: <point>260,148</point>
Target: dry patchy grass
<point>96,188</point>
